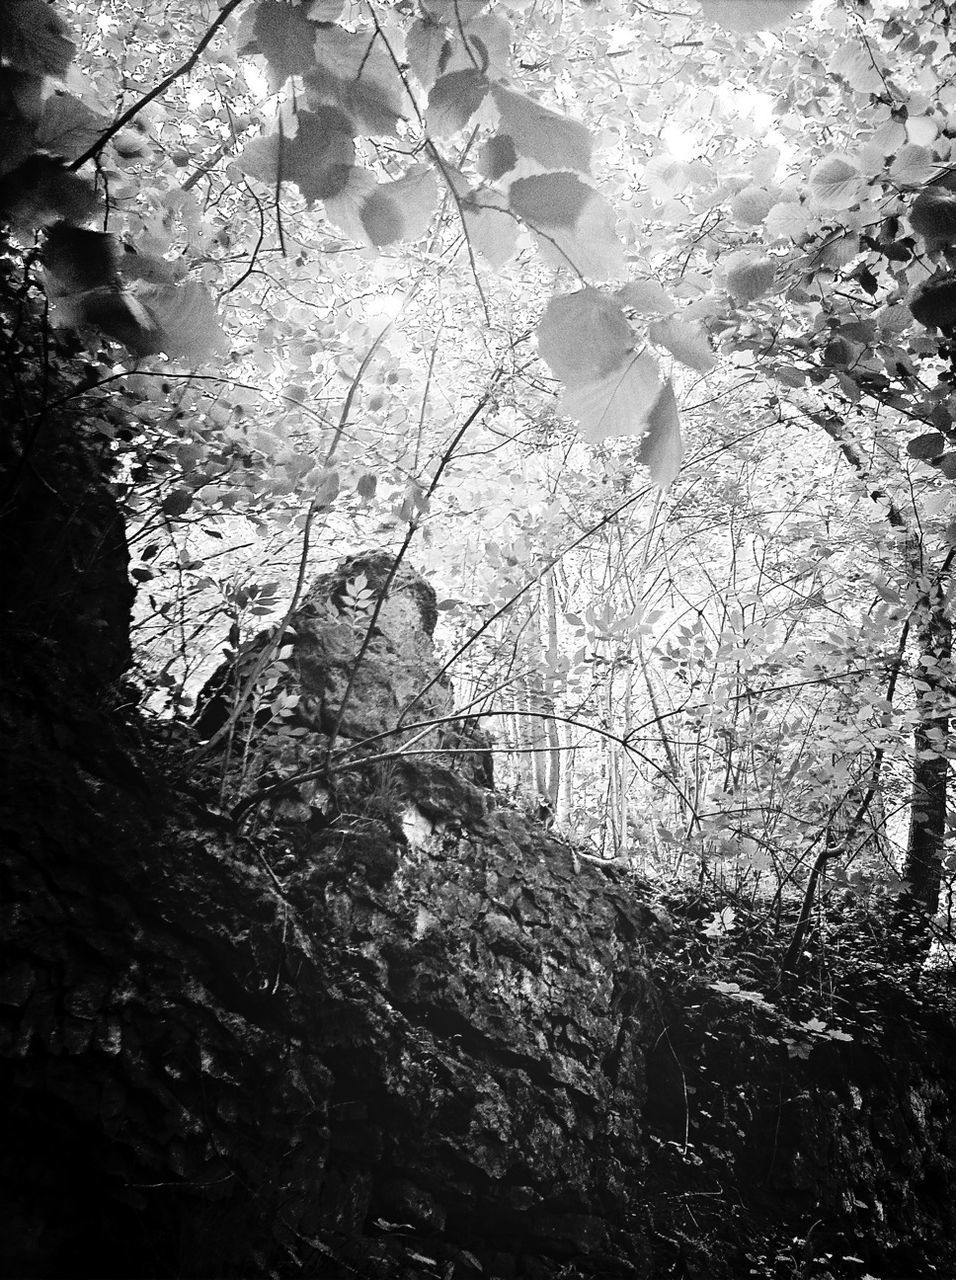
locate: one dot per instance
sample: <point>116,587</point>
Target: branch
<point>122,121</point>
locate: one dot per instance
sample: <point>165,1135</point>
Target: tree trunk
<point>924,852</point>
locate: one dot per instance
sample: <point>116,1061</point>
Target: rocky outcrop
<point>397,1030</point>
<point>350,680</point>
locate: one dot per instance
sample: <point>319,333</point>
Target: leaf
<point>318,159</point>
<point>454,13</point>
<point>187,321</point>
<point>647,297</point>
<point>79,259</point>
<point>492,35</point>
<point>149,267</point>
<point>686,341</point>
<point>366,485</point>
<point>835,182</point>
<point>21,97</point>
<point>425,44</point>
<point>790,375</point>
<point>550,199</point>
<point>285,37</point>
<point>913,165</point>
<point>926,447</point>
<point>33,38</point>
<point>325,11</point>
<point>42,191</point>
<point>933,215</point>
<point>68,127</point>
<point>401,210</point>
<point>751,205</point>
<point>491,227</point>
<point>576,225</point>
<point>354,72</point>
<point>345,209</point>
<point>327,488</point>
<point>617,405</point>
<point>788,220</point>
<point>259,158</point>
<point>748,276</point>
<point>454,100</point>
<point>117,314</point>
<point>591,248</point>
<point>747,16</point>
<point>551,139</point>
<point>583,336</point>
<point>858,66</point>
<point>177,503</point>
<point>496,157</point>
<point>662,448</point>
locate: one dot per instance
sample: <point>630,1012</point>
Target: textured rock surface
<point>418,1039</point>
<point>365,681</point>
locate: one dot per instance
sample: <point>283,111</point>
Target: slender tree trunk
<point>554,743</point>
<point>924,852</point>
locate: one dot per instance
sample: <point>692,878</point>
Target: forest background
<point>630,326</point>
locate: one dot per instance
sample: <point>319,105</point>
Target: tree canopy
<point>631,324</point>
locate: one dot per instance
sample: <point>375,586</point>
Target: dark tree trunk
<point>924,851</point>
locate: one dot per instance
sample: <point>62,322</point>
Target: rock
<point>321,697</point>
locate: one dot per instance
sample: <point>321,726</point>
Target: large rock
<point>354,674</point>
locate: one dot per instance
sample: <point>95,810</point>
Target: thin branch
<point>183,69</point>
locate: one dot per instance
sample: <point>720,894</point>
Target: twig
<point>156,92</point>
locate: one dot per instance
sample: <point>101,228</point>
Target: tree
<point>303,250</point>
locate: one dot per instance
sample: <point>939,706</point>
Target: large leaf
<point>574,225</point>
<point>591,248</point>
<point>454,13</point>
<point>619,404</point>
<point>496,157</point>
<point>913,165</point>
<point>491,227</point>
<point>401,210</point>
<point>42,191</point>
<point>551,139</point>
<point>186,318</point>
<point>662,447</point>
<point>647,298</point>
<point>835,182</point>
<point>345,209</point>
<point>747,16</point>
<point>751,205</point>
<point>748,275</point>
<point>79,259</point>
<point>454,100</point>
<point>21,97</point>
<point>114,312</point>
<point>285,37</point>
<point>930,445</point>
<point>583,336</point>
<point>426,45</point>
<point>859,64</point>
<point>355,73</point>
<point>550,199</point>
<point>788,220</point>
<point>321,154</point>
<point>318,159</point>
<point>259,158</point>
<point>686,341</point>
<point>492,35</point>
<point>33,38</point>
<point>68,127</point>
